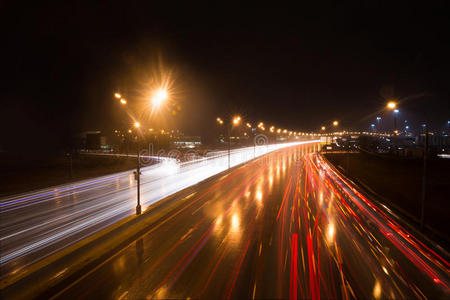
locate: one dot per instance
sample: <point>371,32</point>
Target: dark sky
<point>296,67</point>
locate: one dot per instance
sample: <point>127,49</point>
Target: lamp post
<point>160,95</point>
<point>335,124</point>
<point>123,101</point>
<point>220,123</point>
<point>396,111</point>
<point>378,124</point>
<point>424,178</point>
<point>137,173</point>
<point>234,122</point>
<point>393,106</point>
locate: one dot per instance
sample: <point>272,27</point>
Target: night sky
<point>294,67</point>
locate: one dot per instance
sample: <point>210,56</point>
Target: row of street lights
<point>334,124</point>
<point>159,96</point>
<point>391,105</point>
<point>237,120</point>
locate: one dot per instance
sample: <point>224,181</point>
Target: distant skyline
<point>295,67</point>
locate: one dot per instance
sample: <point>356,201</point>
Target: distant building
<point>94,141</point>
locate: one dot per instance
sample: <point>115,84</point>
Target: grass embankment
<point>399,182</point>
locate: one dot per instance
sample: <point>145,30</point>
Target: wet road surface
<point>283,226</point>
<point>37,224</point>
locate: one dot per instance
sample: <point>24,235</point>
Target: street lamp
<point>234,122</point>
<point>137,173</point>
<point>323,128</point>
<point>391,105</point>
<point>335,123</point>
<point>159,96</point>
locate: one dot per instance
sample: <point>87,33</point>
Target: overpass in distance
<point>283,225</point>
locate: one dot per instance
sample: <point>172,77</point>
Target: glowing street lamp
<point>335,123</point>
<point>391,105</point>
<point>159,96</point>
<point>236,120</point>
<point>123,101</point>
<point>323,128</point>
<point>137,173</point>
<point>117,95</point>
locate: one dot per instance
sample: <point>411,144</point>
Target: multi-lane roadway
<point>40,223</point>
<point>285,225</point>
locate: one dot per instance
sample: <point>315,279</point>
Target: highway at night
<point>40,223</point>
<point>285,225</point>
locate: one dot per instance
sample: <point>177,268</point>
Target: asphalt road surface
<point>37,224</point>
<point>283,226</point>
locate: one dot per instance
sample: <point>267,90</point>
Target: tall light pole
<point>159,96</point>
<point>378,124</point>
<point>122,101</point>
<point>220,123</point>
<point>137,173</point>
<point>392,106</point>
<point>234,122</point>
<point>335,124</point>
<point>424,177</point>
<point>396,111</point>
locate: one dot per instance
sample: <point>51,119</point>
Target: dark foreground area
<point>399,182</point>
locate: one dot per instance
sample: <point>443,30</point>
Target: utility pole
<point>424,178</point>
<point>137,176</point>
